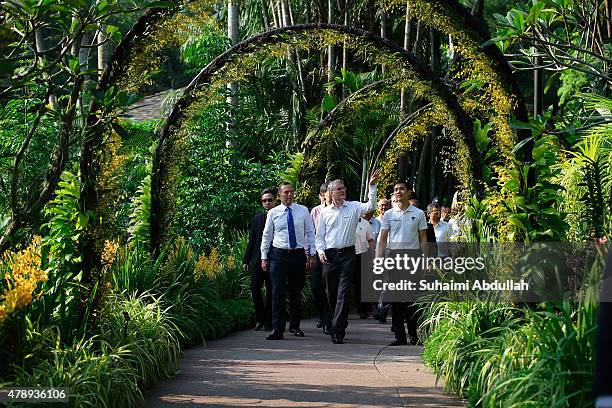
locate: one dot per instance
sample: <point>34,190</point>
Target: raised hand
<point>374,177</point>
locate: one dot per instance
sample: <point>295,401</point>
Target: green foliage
<point>592,157</point>
<point>143,324</point>
<point>93,378</point>
<point>459,333</point>
<point>572,82</point>
<point>533,210</point>
<point>292,172</point>
<point>196,286</point>
<point>16,118</point>
<point>498,355</point>
<point>60,304</point>
<point>141,212</point>
<point>220,186</point>
<point>199,50</point>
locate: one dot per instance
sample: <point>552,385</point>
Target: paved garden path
<point>245,369</point>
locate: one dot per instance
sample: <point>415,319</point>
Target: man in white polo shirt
<point>403,230</point>
<point>335,241</point>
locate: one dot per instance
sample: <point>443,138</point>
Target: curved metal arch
<point>275,36</point>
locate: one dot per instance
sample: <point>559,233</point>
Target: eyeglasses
<point>267,200</point>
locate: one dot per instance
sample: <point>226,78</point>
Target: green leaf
<point>522,143</point>
<point>82,220</point>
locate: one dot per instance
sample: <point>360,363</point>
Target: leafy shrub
<point>547,362</point>
<point>498,355</point>
<point>145,326</point>
<point>92,377</point>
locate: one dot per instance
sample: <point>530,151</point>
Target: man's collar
<point>409,208</point>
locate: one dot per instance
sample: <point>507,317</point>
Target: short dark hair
<point>268,191</point>
<point>404,182</point>
<point>284,183</point>
<point>323,188</point>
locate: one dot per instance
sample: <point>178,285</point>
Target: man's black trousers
<point>338,279</point>
<point>263,311</point>
<point>361,260</point>
<point>405,311</point>
<point>319,294</point>
<point>286,266</point>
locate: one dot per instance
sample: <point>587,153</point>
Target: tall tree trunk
<point>285,13</point>
<point>538,87</point>
<point>407,29</point>
<point>274,15</point>
<point>264,15</point>
<point>103,49</point>
<point>422,185</point>
<point>609,19</point>
<point>331,50</point>
<point>344,48</point>
<point>383,34</point>
<point>478,8</point>
<point>233,32</point>
<point>402,163</point>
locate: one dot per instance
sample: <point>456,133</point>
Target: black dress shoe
<point>259,326</point>
<point>297,332</point>
<point>275,335</point>
<point>327,329</point>
<point>399,342</point>
<point>319,323</point>
<point>336,340</point>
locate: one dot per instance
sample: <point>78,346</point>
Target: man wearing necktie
<point>335,241</point>
<point>290,231</point>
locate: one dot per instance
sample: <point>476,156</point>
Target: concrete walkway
<point>245,369</point>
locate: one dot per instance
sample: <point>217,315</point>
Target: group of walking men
<point>287,239</point>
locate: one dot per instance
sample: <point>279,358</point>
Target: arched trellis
<point>141,32</point>
<point>346,114</point>
<point>421,72</point>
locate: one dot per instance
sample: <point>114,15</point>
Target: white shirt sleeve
<point>422,221</point>
<point>371,204</point>
<point>320,235</point>
<point>268,235</point>
<point>310,234</point>
<point>384,224</point>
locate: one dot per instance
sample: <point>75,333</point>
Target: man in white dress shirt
<point>335,241</point>
<point>441,228</point>
<point>290,231</point>
<point>403,230</point>
<point>317,284</point>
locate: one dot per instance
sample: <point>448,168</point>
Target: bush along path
<point>150,310</point>
<point>245,369</point>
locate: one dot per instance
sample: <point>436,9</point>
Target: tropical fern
<point>139,217</point>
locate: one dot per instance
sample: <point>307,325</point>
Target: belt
<point>290,251</point>
<point>340,251</point>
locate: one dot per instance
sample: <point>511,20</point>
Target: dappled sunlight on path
<point>245,369</point>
